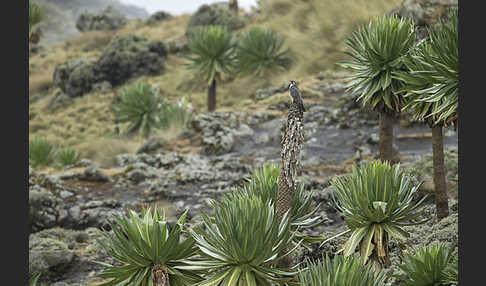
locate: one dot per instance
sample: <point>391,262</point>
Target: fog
<point>177,7</point>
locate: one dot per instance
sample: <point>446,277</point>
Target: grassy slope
<point>314,30</point>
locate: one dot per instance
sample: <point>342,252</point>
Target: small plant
<point>259,50</point>
<point>141,106</point>
<point>42,153</point>
<point>378,50</point>
<point>340,271</point>
<point>240,243</point>
<point>377,202</point>
<point>33,280</point>
<point>430,265</point>
<point>36,15</point>
<point>264,184</point>
<point>67,157</point>
<point>149,250</point>
<point>175,114</point>
<point>213,50</point>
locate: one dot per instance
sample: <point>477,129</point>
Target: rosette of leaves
<point>260,50</point>
<point>141,106</point>
<point>213,55</point>
<point>340,271</point>
<point>67,156</point>
<point>377,51</point>
<point>240,243</point>
<point>41,152</point>
<point>303,214</point>
<point>377,201</point>
<point>149,251</point>
<point>432,76</point>
<point>430,265</point>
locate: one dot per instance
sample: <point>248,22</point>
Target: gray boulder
<point>42,209</point>
<point>426,12</point>
<point>214,14</point>
<point>107,19</point>
<point>49,256</point>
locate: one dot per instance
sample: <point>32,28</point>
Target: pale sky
<point>177,7</point>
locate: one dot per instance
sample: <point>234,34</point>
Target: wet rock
<point>107,19</point>
<point>214,14</point>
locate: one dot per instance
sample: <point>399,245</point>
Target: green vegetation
<point>241,241</point>
<point>430,265</point>
<point>67,156</point>
<point>259,51</point>
<point>213,49</point>
<point>341,271</point>
<point>42,153</point>
<point>33,280</point>
<point>146,246</point>
<point>264,184</point>
<point>377,202</point>
<point>431,87</point>
<point>36,15</point>
<point>141,106</point>
<point>378,50</point>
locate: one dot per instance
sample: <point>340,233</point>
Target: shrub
<point>36,15</point>
<point>259,50</point>
<point>430,265</point>
<point>146,246</point>
<point>141,106</point>
<point>240,242</point>
<point>33,280</point>
<point>175,114</point>
<point>42,153</point>
<point>341,271</point>
<point>67,156</point>
<point>377,202</point>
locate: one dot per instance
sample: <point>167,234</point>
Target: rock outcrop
<point>107,19</point>
<point>126,56</point>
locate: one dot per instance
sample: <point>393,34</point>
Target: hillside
<point>313,30</point>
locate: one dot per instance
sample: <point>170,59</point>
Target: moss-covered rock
<point>75,78</point>
<point>128,56</point>
<point>214,14</point>
<point>107,19</point>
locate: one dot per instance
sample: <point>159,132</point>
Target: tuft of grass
<point>104,150</point>
<point>67,156</point>
<point>41,152</point>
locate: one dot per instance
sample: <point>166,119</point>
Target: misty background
<point>62,14</point>
<point>177,7</point>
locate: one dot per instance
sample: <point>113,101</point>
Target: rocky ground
<point>218,151</point>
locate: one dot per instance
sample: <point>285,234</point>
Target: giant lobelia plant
<point>431,89</point>
<point>377,51</point>
<point>377,201</point>
<point>241,242</point>
<point>151,252</point>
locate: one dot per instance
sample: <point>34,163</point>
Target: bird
<point>295,94</point>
